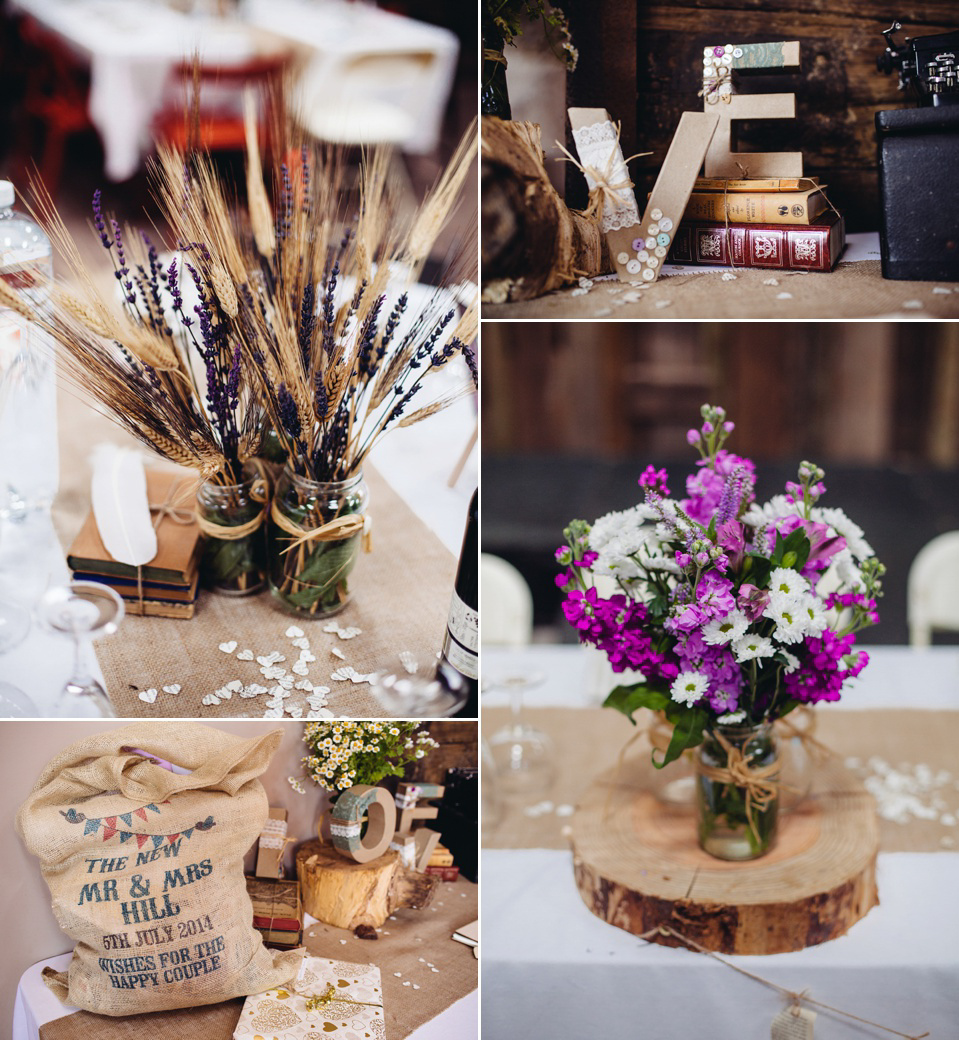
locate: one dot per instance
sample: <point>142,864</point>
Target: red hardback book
<point>444,873</point>
<point>816,247</point>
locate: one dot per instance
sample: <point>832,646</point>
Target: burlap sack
<point>145,867</point>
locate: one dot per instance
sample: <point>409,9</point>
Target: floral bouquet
<point>734,613</point>
<point>342,754</point>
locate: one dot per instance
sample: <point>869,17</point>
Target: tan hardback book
<point>178,545</point>
<point>160,592</point>
<point>760,207</point>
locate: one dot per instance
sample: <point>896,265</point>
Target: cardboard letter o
<point>347,823</point>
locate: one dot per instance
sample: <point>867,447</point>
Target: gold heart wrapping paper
<point>327,999</point>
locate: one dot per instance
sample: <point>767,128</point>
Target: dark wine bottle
<point>458,668</point>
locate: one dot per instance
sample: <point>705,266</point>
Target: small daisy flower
<point>787,581</point>
<point>688,687</point>
<point>752,648</point>
<point>720,631</point>
<point>787,612</point>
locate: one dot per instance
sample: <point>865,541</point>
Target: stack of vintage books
<point>167,585</point>
<point>277,912</point>
<point>777,223</point>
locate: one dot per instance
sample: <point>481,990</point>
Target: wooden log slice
<point>344,893</point>
<point>638,866</point>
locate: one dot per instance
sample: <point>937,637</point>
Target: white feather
<point>120,505</point>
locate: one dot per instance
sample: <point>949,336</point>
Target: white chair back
<point>506,604</point>
<point>932,598</point>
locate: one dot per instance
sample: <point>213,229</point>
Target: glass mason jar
<point>231,517</point>
<point>311,545</point>
<point>737,820</point>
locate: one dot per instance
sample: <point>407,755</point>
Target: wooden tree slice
<point>343,893</point>
<point>638,866</point>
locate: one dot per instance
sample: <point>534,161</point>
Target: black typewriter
<point>918,158</point>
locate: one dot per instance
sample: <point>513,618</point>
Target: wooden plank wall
<point>868,393</point>
<point>650,84</point>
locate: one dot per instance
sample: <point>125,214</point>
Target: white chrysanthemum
<point>728,629</point>
<point>788,582</point>
<point>847,571</point>
<point>775,509</point>
<point>792,662</point>
<point>731,718</point>
<point>845,528</point>
<point>787,612</point>
<point>814,615</point>
<point>752,647</point>
<point>624,525</point>
<point>688,687</point>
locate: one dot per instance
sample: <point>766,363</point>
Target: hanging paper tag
<point>793,1023</point>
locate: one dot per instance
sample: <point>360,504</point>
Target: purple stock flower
<point>654,480</point>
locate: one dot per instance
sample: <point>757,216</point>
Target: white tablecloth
<point>36,1005</point>
<point>551,969</point>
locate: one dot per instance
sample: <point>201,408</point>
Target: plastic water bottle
<point>29,462</point>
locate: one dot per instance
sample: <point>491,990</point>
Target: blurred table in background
<point>367,75</point>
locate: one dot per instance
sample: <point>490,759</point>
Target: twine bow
<point>166,510</point>
<point>330,996</point>
<point>602,189</point>
<point>761,783</point>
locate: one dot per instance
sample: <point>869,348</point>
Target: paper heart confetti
<point>272,671</point>
<point>352,674</point>
<point>301,668</point>
<point>252,690</point>
<point>294,632</point>
<point>303,684</point>
<point>210,699</point>
<point>224,693</point>
<point>409,662</point>
<point>148,696</point>
<point>273,713</point>
<point>337,652</point>
<point>295,711</point>
<point>286,681</point>
<point>301,644</point>
<point>234,685</point>
<point>229,647</point>
<point>280,692</point>
<point>306,656</point>
<point>173,688</point>
<point>245,655</point>
<point>344,633</point>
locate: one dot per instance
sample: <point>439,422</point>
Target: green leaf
<point>629,699</point>
<point>329,563</point>
<point>688,726</point>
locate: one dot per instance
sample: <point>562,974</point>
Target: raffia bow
<point>259,492</point>
<point>761,783</point>
<point>338,529</point>
<point>602,189</point>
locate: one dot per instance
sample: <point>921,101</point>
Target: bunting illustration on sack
<point>91,825</point>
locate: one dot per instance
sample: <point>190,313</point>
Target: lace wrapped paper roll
<point>272,844</point>
<point>532,242</point>
<point>611,193</point>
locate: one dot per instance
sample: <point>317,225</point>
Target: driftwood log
<point>345,894</point>
<point>531,241</point>
<point>638,866</point>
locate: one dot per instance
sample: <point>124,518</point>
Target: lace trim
<point>598,148</point>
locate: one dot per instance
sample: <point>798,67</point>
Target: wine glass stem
<point>516,704</point>
<point>82,669</point>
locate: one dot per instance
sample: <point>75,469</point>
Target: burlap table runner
<point>588,742</point>
<point>401,600</point>
<point>855,290</point>
<point>408,943</point>
<point>215,1022</point>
